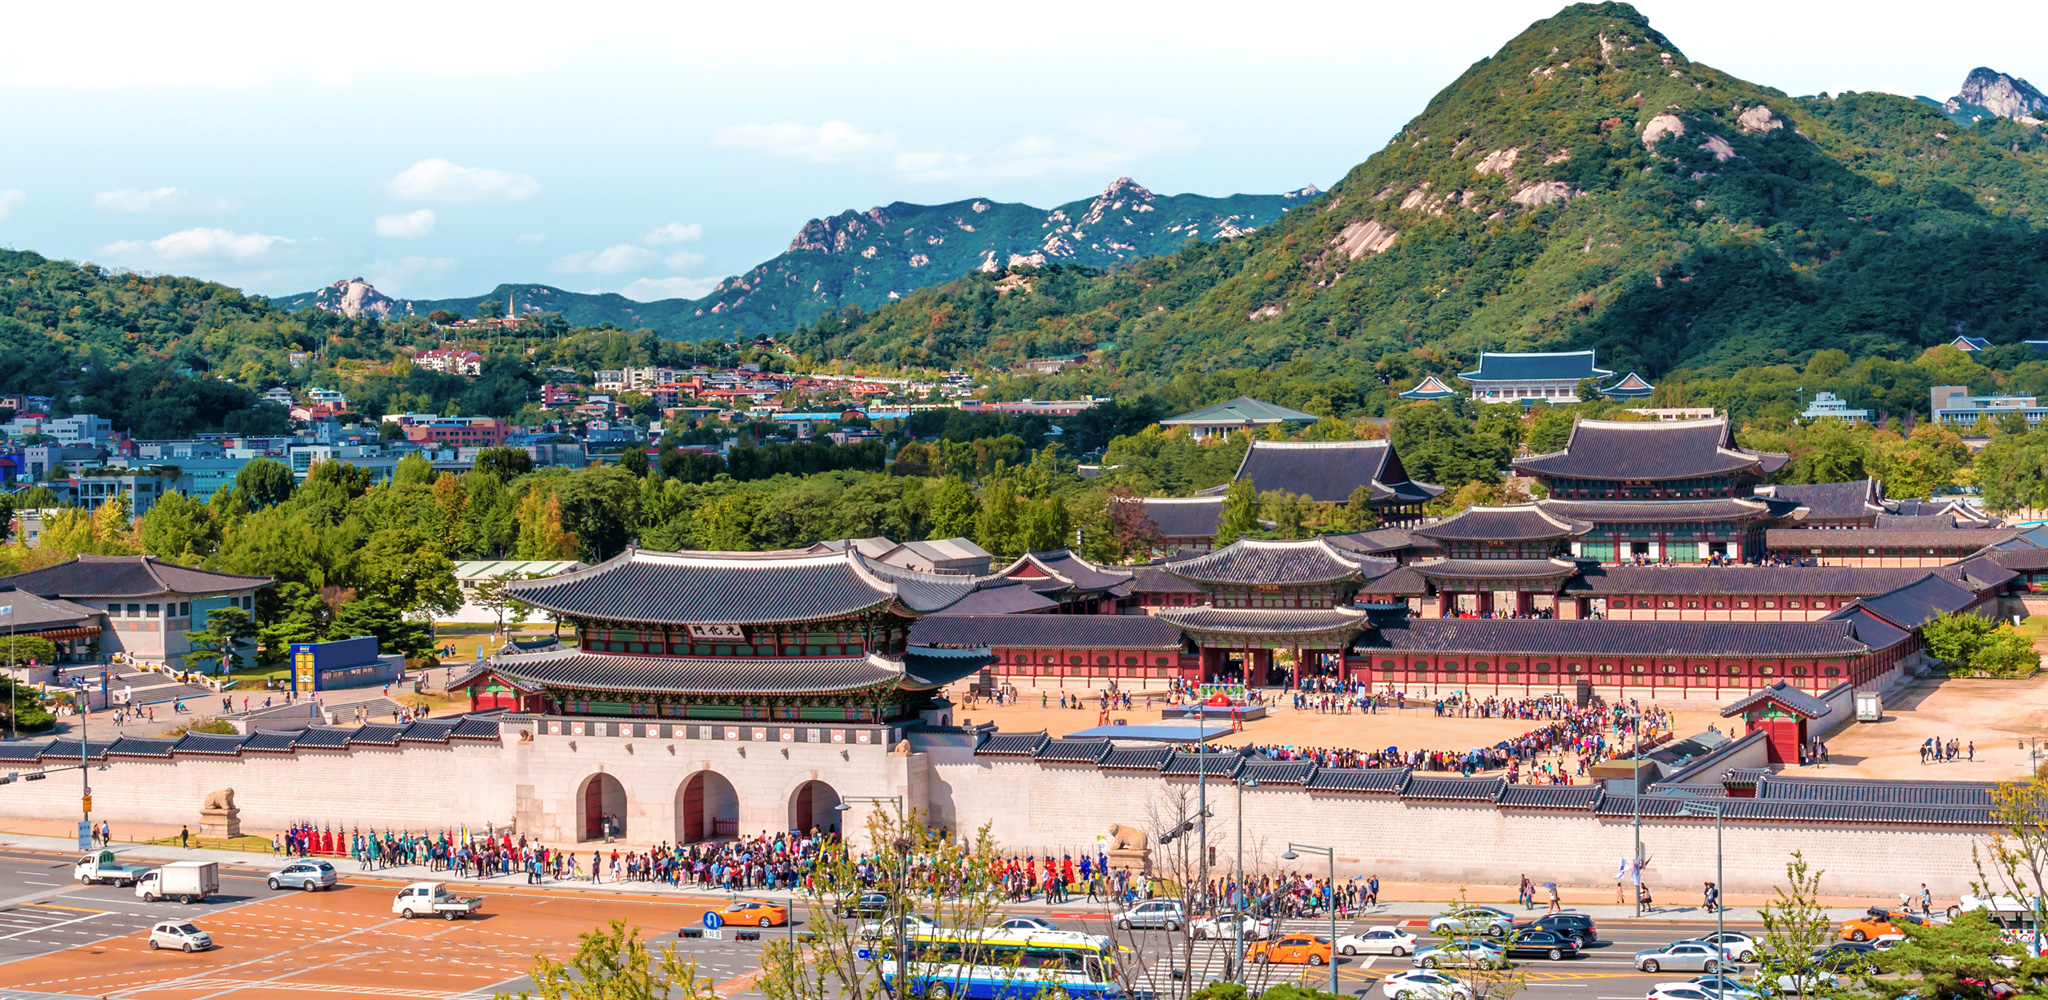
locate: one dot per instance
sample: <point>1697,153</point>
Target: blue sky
<point>439,149</point>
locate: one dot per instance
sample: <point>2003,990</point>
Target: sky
<point>439,149</point>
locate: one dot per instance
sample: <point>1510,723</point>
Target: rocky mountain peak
<point>2001,94</point>
<point>353,297</point>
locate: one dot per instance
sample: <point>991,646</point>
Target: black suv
<point>1577,926</point>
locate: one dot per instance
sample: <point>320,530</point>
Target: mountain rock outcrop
<point>1987,93</point>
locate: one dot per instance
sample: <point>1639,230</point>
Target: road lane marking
<point>46,927</point>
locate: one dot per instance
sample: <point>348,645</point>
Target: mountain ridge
<point>1588,185</point>
<point>868,258</point>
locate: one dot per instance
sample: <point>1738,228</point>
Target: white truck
<point>100,867</point>
<point>428,899</point>
<point>184,881</point>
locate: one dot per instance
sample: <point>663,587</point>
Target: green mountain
<point>870,258</point>
<point>1589,185</point>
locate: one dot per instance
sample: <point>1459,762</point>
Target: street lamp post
<point>1715,809</point>
<point>1329,898</point>
<point>1238,905</point>
<point>902,861</point>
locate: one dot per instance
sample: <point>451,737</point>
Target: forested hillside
<point>1587,186</point>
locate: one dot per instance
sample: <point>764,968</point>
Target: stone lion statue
<point>223,799</point>
<point>1127,838</point>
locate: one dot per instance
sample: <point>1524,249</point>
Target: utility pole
<point>1238,908</point>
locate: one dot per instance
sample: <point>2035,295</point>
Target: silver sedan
<point>1683,956</point>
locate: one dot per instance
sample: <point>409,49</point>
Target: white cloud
<point>682,260</point>
<point>530,239</point>
<point>9,198</point>
<point>163,199</point>
<point>436,179</point>
<point>1102,144</point>
<point>409,226</point>
<point>832,142</point>
<point>202,243</point>
<point>649,289</point>
<point>675,232</point>
<point>611,260</point>
<point>396,277</point>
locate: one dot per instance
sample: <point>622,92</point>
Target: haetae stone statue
<point>218,816</point>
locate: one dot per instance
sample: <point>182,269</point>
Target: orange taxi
<point>1289,949</point>
<point>754,913</point>
<point>1877,923</point>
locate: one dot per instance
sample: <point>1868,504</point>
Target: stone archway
<point>602,796</point>
<point>814,806</point>
<point>707,807</point>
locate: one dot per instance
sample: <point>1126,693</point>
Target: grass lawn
<point>254,844</point>
<point>2035,628</point>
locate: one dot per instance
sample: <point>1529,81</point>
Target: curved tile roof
<point>1330,471</point>
<point>1272,621</point>
<point>1047,631</point>
<point>1519,522</point>
<point>1723,509</point>
<point>737,588</point>
<point>1264,561</point>
<point>1650,450</point>
<point>127,576</point>
<point>1534,366</point>
<point>573,668</point>
<point>1495,569</point>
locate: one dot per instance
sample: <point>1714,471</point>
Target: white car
<point>912,925</point>
<point>1463,954</point>
<point>1678,991</point>
<point>1722,987</point>
<point>1424,985</point>
<point>1739,947</point>
<point>180,935</point>
<point>1226,926</point>
<point>1028,924</point>
<point>1377,941</point>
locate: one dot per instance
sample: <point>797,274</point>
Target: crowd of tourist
<point>1543,755</point>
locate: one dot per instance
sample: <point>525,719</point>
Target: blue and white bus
<point>1001,964</point>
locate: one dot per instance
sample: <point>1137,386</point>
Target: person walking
<point>1556,904</point>
<point>1526,893</point>
<point>185,837</point>
<point>1926,901</point>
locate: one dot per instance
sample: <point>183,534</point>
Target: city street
<point>59,939</point>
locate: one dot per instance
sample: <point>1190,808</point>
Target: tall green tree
<point>178,529</point>
<point>227,633</point>
<point>265,482</point>
<point>1240,517</point>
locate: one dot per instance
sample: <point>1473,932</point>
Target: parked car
<point>1289,949</point>
<point>1682,956</point>
<point>1164,914</point>
<point>1794,985</point>
<point>1738,946</point>
<point>307,875</point>
<point>1377,941</point>
<point>1878,922</point>
<point>180,935</point>
<point>755,913</point>
<point>1028,924</point>
<point>1844,956</point>
<point>1224,926</point>
<point>1463,954</point>
<point>1577,926</point>
<point>1473,920</point>
<point>872,905</point>
<point>1540,943</point>
<point>1423,984</point>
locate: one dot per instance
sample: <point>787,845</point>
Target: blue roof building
<point>1532,377</point>
<point>1631,386</point>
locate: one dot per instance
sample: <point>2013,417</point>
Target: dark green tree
<point>265,482</point>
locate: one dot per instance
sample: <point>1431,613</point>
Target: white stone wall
<point>1052,809</point>
<point>535,784</point>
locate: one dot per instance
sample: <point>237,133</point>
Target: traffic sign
<point>712,921</point>
<point>86,801</point>
<point>84,835</point>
